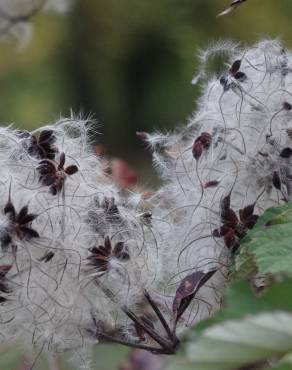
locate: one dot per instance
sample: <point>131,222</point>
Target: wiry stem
<point>160,316</point>
<point>167,346</point>
<point>108,338</point>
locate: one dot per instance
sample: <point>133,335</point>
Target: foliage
<point>130,62</point>
<point>267,248</point>
<point>138,253</point>
<point>137,268</point>
<point>251,329</point>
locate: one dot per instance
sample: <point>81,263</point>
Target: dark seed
<point>216,233</point>
<point>286,153</point>
<point>211,184</point>
<point>235,67</point>
<point>287,106</point>
<point>240,76</point>
<point>197,150</point>
<point>276,180</point>
<point>47,257</point>
<point>263,154</point>
<point>205,138</point>
<point>70,170</point>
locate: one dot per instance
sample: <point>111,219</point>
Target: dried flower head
<point>103,257</point>
<point>106,263</point>
<point>53,175</point>
<point>43,145</point>
<point>17,225</point>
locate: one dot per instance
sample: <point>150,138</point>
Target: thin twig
<point>159,315</point>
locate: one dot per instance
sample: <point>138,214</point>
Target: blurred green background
<point>129,63</point>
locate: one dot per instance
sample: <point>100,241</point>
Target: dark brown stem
<point>168,347</point>
<point>160,340</point>
<point>124,342</point>
<point>159,315</point>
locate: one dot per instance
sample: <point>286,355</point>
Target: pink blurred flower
<point>123,174</point>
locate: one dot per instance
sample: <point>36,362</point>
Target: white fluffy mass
<point>80,256</point>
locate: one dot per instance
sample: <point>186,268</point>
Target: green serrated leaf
<point>239,302</point>
<point>267,248</point>
<point>247,330</point>
<point>235,343</point>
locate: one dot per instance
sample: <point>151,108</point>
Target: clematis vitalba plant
<point>86,261</point>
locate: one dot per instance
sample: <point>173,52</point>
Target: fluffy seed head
<point>90,260</point>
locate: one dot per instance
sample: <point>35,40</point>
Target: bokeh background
<point>129,64</point>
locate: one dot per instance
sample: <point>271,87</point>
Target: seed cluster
<point>86,260</point>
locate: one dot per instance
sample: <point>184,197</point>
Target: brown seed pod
<point>197,150</point>
<point>206,140</point>
<point>276,180</point>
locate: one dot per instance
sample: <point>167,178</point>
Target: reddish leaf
<point>187,290</point>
